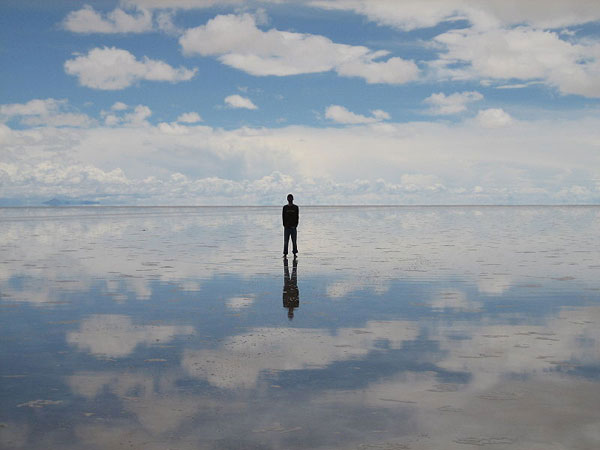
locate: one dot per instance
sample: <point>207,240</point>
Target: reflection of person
<point>290,215</point>
<point>291,294</point>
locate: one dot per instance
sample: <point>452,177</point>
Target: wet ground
<point>396,328</point>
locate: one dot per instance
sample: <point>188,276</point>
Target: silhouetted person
<point>290,216</point>
<point>291,294</point>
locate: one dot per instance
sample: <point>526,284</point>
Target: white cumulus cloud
<point>111,68</point>
<point>119,106</point>
<point>506,40</point>
<point>138,116</point>
<point>48,112</point>
<point>189,117</point>
<point>36,107</point>
<point>522,53</point>
<point>442,104</point>
<point>122,114</point>
<point>493,118</point>
<point>340,114</point>
<point>413,14</point>
<point>165,23</point>
<point>237,101</point>
<point>184,4</point>
<point>393,71</point>
<point>238,42</point>
<point>88,20</point>
<point>133,161</point>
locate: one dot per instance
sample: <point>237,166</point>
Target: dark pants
<point>289,231</point>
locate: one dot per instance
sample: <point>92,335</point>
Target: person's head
<point>290,198</point>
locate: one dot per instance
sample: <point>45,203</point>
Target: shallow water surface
<point>396,328</point>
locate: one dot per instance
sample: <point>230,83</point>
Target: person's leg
<point>286,239</point>
<point>294,234</point>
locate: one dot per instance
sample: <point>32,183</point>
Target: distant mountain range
<point>37,201</point>
<point>69,202</point>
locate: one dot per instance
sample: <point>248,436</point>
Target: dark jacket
<point>290,215</point>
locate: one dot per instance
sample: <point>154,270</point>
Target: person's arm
<point>283,216</point>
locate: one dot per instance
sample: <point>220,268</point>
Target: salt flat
<point>397,327</point>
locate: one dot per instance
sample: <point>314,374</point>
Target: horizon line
<point>306,205</point>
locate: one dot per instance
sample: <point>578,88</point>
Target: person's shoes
<point>285,255</point>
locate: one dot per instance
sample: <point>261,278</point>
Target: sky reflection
<point>413,328</point>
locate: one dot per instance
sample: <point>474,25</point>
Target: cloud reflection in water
<point>419,327</point>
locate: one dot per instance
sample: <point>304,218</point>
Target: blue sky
<point>338,101</point>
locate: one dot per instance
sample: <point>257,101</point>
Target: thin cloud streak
<point>238,102</point>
